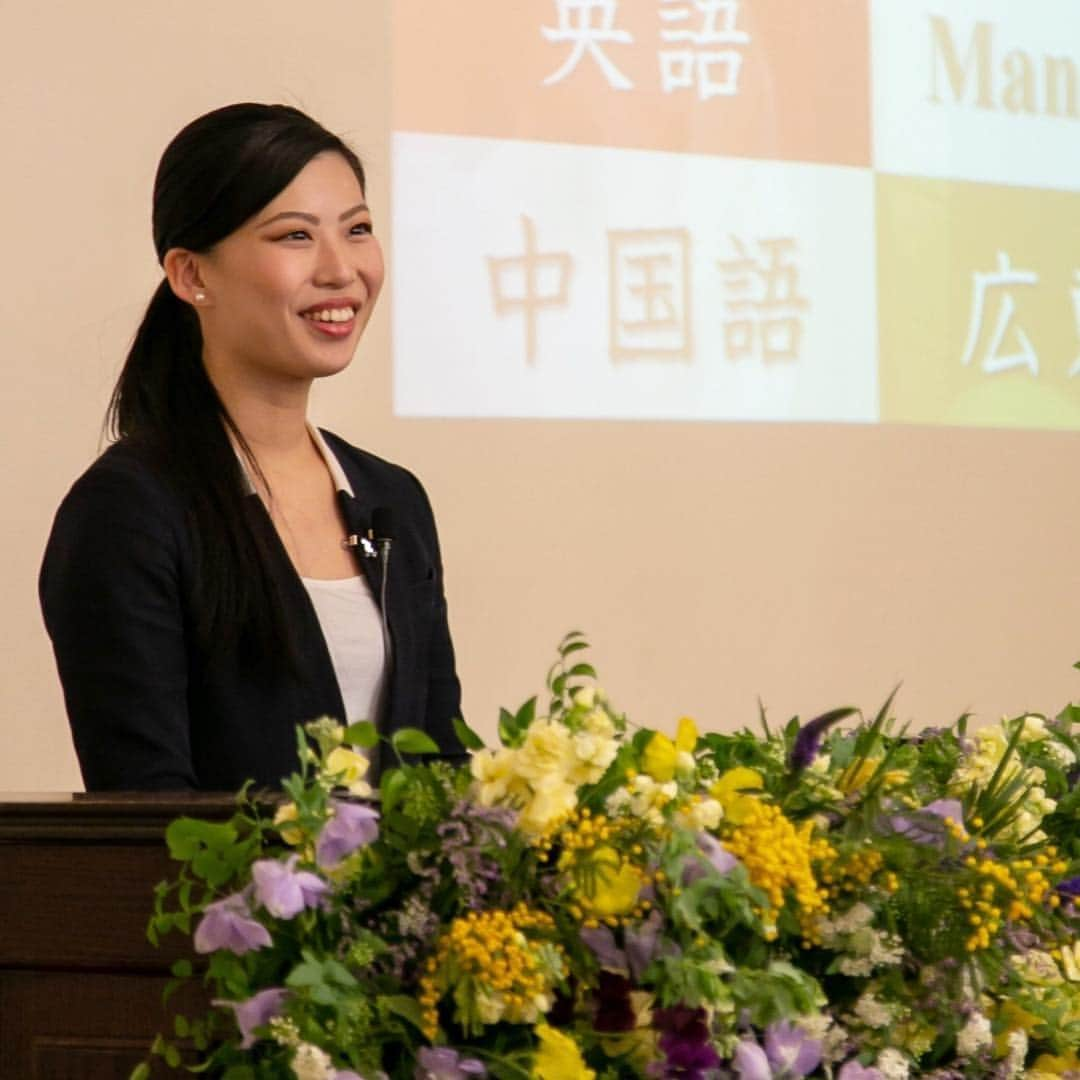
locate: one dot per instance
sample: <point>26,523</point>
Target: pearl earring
<point>200,296</point>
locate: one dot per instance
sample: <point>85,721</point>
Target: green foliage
<point>377,967</point>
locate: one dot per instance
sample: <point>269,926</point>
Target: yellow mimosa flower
<point>558,1057</point>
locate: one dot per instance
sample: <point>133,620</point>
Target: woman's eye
<point>296,234</point>
<point>362,228</point>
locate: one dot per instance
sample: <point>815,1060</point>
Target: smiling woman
<point>222,572</point>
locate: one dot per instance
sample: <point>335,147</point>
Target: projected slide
<point>829,210</point>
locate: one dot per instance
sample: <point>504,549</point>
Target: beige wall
<point>710,564</point>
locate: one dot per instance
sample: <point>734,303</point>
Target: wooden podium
<point>80,986</point>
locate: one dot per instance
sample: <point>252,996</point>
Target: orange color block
<point>768,79</point>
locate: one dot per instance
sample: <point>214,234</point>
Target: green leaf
<point>508,734</point>
<point>408,1008</point>
<point>394,783</point>
<point>187,836</point>
<point>466,736</point>
<point>526,714</point>
<point>181,969</point>
<point>363,734</point>
<point>140,1072</point>
<point>573,647</point>
<point>238,1072</point>
<point>413,741</point>
<point>583,669</point>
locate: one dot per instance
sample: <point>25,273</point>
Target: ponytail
<point>165,402</point>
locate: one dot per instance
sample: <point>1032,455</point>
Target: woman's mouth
<point>332,321</point>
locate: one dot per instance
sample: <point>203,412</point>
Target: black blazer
<point>150,709</point>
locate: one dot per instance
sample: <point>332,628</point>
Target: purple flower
<point>1069,887</point>
<point>255,1012</point>
<point>227,924</point>
<point>791,1052</point>
<point>722,859</point>
<point>750,1062</point>
<point>643,944</point>
<point>852,1070</point>
<point>351,827</point>
<point>614,1013</point>
<point>684,1038</point>
<point>921,830</point>
<point>442,1063</point>
<point>715,854</point>
<point>285,891</point>
<point>808,741</point>
<point>601,942</point>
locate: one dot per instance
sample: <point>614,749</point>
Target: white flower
<point>490,1006</point>
<point>1060,753</point>
<point>311,1063</point>
<point>974,1036</point>
<point>600,724</point>
<point>1018,1050</point>
<point>594,754</point>
<point>1037,967</point>
<point>1034,728</point>
<point>855,918</point>
<point>585,696</point>
<point>873,1013</point>
<point>704,815</point>
<point>893,1065</point>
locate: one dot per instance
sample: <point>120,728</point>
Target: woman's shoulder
<point>129,475</point>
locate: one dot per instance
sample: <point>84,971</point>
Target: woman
<point>217,576</point>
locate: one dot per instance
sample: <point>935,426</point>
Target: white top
<point>348,616</point>
<point>352,627</point>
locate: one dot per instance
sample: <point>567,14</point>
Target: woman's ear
<point>182,270</point>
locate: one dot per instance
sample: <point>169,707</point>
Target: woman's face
<point>289,293</point>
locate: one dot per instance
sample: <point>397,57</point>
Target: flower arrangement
<point>590,901</point>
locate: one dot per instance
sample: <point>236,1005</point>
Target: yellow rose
<point>551,801</point>
<point>558,1057</point>
<point>496,776</point>
<point>659,758</point>
<point>546,752</point>
<point>729,790</point>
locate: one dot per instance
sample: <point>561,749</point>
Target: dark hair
<point>217,173</point>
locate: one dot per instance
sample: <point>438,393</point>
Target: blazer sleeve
<point>444,689</point>
<point>111,595</point>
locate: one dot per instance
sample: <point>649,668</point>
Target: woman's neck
<point>271,418</point>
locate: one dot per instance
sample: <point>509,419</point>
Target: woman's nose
<point>334,267</point>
